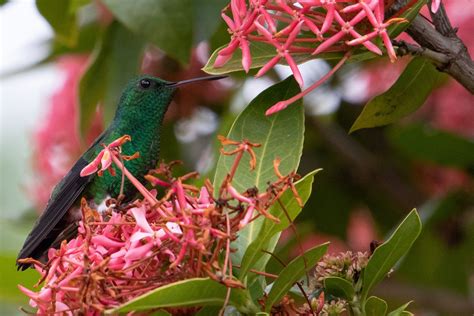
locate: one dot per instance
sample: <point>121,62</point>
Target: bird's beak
<point>184,82</point>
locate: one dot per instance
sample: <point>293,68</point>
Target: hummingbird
<point>139,114</point>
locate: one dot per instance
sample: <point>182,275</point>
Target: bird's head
<point>150,96</point>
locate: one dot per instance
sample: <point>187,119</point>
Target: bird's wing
<point>63,197</point>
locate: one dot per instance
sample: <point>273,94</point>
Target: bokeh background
<point>371,178</point>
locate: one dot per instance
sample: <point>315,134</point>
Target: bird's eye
<point>145,83</point>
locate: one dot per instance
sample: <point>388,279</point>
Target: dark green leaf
<point>167,24</point>
<point>400,311</point>
<point>209,310</point>
<point>425,143</point>
<point>375,306</point>
<point>161,313</point>
<point>113,65</point>
<point>270,228</point>
<point>445,244</point>
<point>339,287</point>
<point>388,254</point>
<point>280,136</point>
<point>407,94</point>
<point>397,28</point>
<point>190,292</point>
<point>207,15</point>
<point>292,273</point>
<point>62,18</point>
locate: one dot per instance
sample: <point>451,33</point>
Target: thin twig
<point>405,48</point>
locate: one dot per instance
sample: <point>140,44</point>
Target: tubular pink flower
<point>329,18</point>
<point>228,21</point>
<point>284,104</point>
<point>140,217</point>
<point>370,15</point>
<point>106,160</point>
<point>93,167</point>
<point>269,65</point>
<point>236,195</point>
<point>369,45</point>
<point>294,68</point>
<point>106,242</point>
<point>204,197</point>
<point>435,5</point>
<point>229,50</point>
<point>329,42</point>
<point>246,57</point>
<point>248,216</point>
<point>282,51</point>
<point>361,39</point>
<point>310,24</point>
<point>388,45</point>
<point>136,253</point>
<point>119,141</point>
<point>380,11</point>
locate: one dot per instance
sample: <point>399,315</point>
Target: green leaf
<point>77,4</point>
<point>160,313</point>
<point>190,292</point>
<point>167,24</point>
<point>207,14</point>
<point>400,311</point>
<point>113,65</point>
<point>397,28</point>
<point>407,94</point>
<point>339,287</point>
<point>10,277</point>
<point>61,15</point>
<point>375,306</point>
<point>293,272</point>
<point>209,310</point>
<point>270,228</point>
<point>387,254</point>
<point>425,143</point>
<point>280,136</point>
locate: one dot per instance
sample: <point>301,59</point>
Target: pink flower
<point>435,5</point>
<point>133,248</point>
<point>104,158</point>
<point>334,25</point>
<point>239,26</point>
<point>56,141</point>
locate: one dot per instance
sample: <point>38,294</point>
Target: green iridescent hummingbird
<point>139,114</point>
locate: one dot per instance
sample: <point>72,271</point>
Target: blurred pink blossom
<point>56,141</point>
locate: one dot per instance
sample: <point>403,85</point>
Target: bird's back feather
<point>51,223</point>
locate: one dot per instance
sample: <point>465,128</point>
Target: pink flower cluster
<point>304,26</point>
<point>133,248</point>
